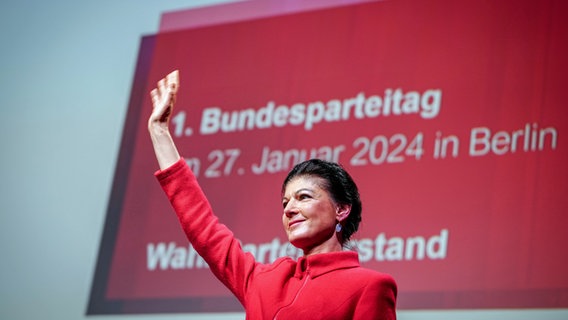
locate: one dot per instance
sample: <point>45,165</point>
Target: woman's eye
<point>304,196</point>
<point>284,204</point>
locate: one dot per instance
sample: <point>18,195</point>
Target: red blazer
<point>321,286</point>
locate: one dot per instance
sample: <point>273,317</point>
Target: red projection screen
<point>450,115</point>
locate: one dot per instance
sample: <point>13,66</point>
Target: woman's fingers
<point>166,88</point>
<point>155,97</point>
<point>172,81</point>
<point>162,86</point>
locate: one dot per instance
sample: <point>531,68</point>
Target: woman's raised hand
<point>163,99</point>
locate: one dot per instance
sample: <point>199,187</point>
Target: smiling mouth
<point>295,223</point>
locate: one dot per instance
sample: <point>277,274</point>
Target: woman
<point>321,210</point>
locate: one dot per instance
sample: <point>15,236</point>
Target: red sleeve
<point>378,300</point>
<point>211,239</point>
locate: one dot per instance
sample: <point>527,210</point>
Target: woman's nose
<point>290,209</point>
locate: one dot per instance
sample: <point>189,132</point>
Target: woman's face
<point>310,215</point>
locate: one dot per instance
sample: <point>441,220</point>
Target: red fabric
<point>321,286</point>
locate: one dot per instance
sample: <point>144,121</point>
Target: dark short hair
<point>340,186</point>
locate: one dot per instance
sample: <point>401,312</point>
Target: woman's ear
<point>343,211</point>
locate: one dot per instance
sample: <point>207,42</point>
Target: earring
<point>338,227</point>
